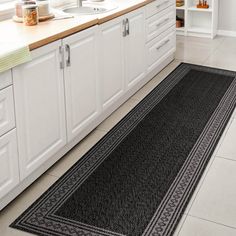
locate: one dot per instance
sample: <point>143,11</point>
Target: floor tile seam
<point>51,175</point>
<point>103,129</point>
<point>225,158</point>
<point>223,136</point>
<point>214,50</point>
<point>211,221</point>
<point>214,156</point>
<point>181,226</point>
<point>199,187</point>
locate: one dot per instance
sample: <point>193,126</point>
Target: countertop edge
<point>62,35</point>
<point>46,39</point>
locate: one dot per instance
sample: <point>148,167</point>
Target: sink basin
<point>90,9</point>
<point>86,10</point>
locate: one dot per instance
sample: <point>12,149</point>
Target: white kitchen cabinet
<point>111,66</point>
<point>40,108</point>
<point>135,65</point>
<point>73,84</point>
<point>159,47</point>
<point>122,55</point>
<point>9,171</point>
<point>81,81</point>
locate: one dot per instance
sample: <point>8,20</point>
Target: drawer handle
<point>167,41</point>
<point>157,6</point>
<point>161,23</point>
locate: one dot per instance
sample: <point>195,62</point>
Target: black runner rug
<point>139,178</point>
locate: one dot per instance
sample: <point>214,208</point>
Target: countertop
<point>49,31</point>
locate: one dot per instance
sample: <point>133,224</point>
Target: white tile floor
<point>212,209</point>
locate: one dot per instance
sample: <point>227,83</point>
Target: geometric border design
<point>39,218</point>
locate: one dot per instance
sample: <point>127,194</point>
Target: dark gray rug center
<point>138,179</point>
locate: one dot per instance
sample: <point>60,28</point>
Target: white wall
<point>227,15</point>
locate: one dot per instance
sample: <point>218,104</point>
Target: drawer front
<point>7,115</point>
<point>159,47</point>
<point>157,6</point>
<point>9,170</point>
<point>5,79</point>
<point>160,22</point>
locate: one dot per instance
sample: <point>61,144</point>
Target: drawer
<point>158,47</point>
<point>7,114</point>
<point>9,170</point>
<point>5,79</point>
<point>158,23</point>
<point>157,6</point>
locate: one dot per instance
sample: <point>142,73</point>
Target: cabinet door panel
<point>5,79</point>
<point>135,48</point>
<point>7,115</point>
<point>9,170</point>
<point>112,62</point>
<point>81,85</point>
<point>40,108</point>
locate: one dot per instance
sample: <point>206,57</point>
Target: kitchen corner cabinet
<point>40,109</point>
<point>122,53</point>
<point>81,81</point>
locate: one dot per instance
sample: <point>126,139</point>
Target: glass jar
<point>19,4</point>
<point>30,15</point>
<point>43,7</point>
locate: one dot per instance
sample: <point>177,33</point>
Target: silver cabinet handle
<point>157,6</point>
<point>127,26</point>
<point>163,44</point>
<point>61,51</point>
<point>68,63</point>
<point>162,22</point>
<point>124,28</point>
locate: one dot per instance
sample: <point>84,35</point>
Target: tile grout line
<point>226,158</point>
<point>181,226</point>
<point>201,184</point>
<point>211,221</point>
<point>216,48</point>
<point>53,175</point>
<point>210,164</point>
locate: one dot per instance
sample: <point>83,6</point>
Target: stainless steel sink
<point>90,9</point>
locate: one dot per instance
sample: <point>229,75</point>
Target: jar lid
<point>30,6</point>
<point>42,2</point>
<point>29,2</point>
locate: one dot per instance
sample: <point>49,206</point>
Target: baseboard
<point>226,33</point>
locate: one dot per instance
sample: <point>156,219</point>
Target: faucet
<point>79,3</point>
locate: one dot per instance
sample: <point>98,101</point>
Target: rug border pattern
<point>40,217</point>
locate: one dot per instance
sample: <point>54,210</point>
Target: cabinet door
<point>81,83</point>
<point>112,61</point>
<point>135,47</point>
<point>9,170</point>
<point>40,108</point>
